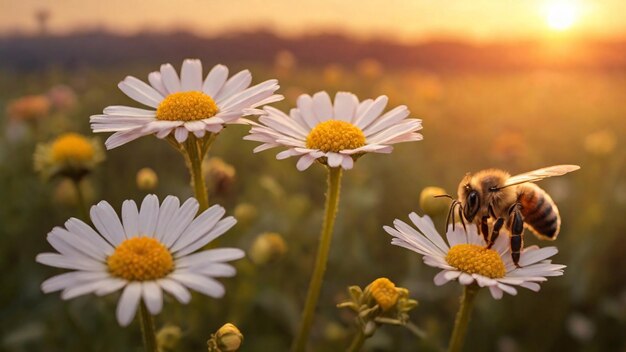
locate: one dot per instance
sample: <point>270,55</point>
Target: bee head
<point>471,204</point>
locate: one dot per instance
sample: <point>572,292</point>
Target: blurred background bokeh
<point>510,84</point>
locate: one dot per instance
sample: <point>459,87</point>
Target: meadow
<point>517,120</point>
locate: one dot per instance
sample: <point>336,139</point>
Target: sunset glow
<point>561,15</point>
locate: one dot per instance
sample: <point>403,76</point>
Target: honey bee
<point>511,201</point>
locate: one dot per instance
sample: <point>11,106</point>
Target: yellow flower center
<point>140,259</point>
<point>475,259</point>
<point>334,136</point>
<point>384,293</point>
<point>72,147</point>
<point>186,106</point>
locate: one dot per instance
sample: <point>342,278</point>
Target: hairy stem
<point>315,285</point>
<point>463,317</point>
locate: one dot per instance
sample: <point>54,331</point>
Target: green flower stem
<point>315,285</point>
<point>357,342</point>
<point>82,203</point>
<point>147,330</point>
<point>195,155</point>
<point>463,317</point>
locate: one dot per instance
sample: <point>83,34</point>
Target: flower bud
<point>245,213</point>
<point>431,205</point>
<point>220,175</point>
<point>168,337</point>
<point>267,248</point>
<point>147,179</point>
<point>384,292</point>
<point>227,339</point>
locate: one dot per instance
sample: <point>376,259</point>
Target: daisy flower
<point>189,104</point>
<point>465,257</point>
<point>71,154</point>
<point>336,133</point>
<point>152,250</point>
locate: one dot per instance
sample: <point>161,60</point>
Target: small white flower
<point>149,251</point>
<point>189,104</point>
<point>335,134</point>
<point>465,257</point>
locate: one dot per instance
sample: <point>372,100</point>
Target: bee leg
<point>495,232</point>
<point>484,228</point>
<point>516,226</point>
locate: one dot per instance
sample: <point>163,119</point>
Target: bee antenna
<point>444,196</point>
<point>461,217</point>
<point>450,210</point>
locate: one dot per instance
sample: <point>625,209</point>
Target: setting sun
<point>561,15</point>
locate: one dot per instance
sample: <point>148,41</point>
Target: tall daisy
<point>466,259</point>
<point>188,111</point>
<point>334,134</point>
<point>153,249</point>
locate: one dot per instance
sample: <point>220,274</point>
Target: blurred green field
<point>517,121</point>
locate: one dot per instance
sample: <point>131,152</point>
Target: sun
<point>561,15</point>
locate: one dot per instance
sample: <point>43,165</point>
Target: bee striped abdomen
<point>540,213</point>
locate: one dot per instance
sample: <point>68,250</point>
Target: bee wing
<point>540,174</point>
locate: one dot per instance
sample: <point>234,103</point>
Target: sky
<point>479,20</point>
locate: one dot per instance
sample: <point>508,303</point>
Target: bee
<point>511,201</point>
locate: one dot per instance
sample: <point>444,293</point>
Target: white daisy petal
<point>322,106</point>
<point>181,134</point>
<point>170,78</point>
<point>234,85</point>
<point>148,215</point>
<point>175,289</point>
<point>145,95</point>
<point>466,279</point>
<point>157,83</point>
<point>128,111</point>
<point>496,293</point>
<point>440,278</point>
<point>532,257</point>
<point>347,162</point>
<point>199,227</point>
<point>62,281</point>
<point>305,109</point>
<point>533,286</point>
<point>370,114</point>
<point>82,289</point>
<point>202,284</point>
<point>215,80</point>
<point>191,75</point>
<point>180,221</point>
<point>113,284</point>
<point>127,305</point>
<point>219,229</point>
<point>210,256</point>
<point>334,159</point>
<point>61,261</point>
<point>304,162</point>
<point>345,106</point>
<point>166,213</point>
<point>130,218</point>
<point>152,296</point>
<point>85,232</point>
<point>107,222</point>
